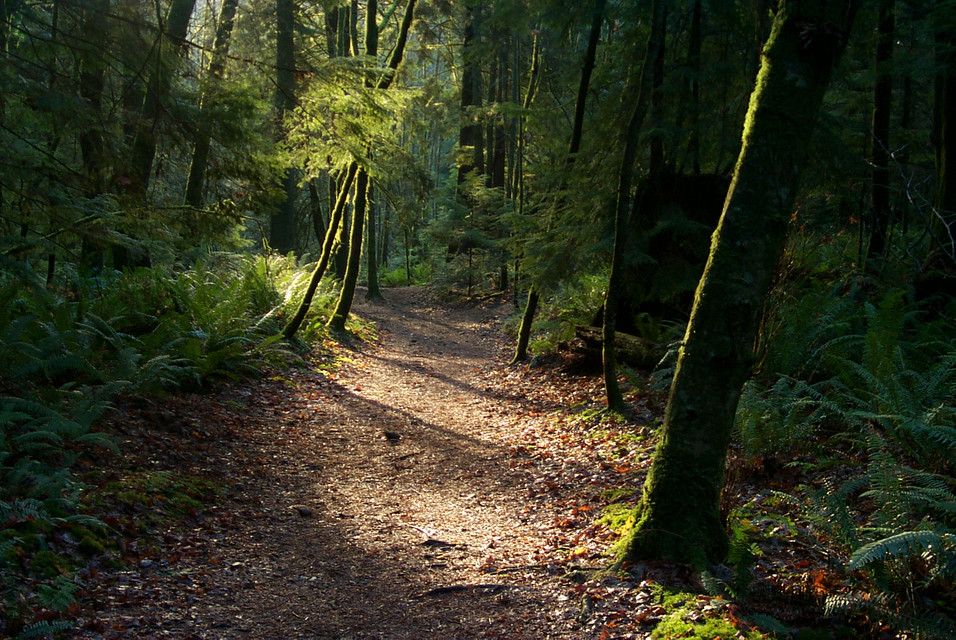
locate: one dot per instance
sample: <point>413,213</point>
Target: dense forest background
<point>191,189</point>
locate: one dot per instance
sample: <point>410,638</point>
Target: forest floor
<point>420,489</point>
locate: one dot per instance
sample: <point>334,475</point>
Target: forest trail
<point>366,503</point>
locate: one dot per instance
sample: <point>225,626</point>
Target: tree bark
<point>143,152</point>
<point>882,107</point>
<point>574,145</point>
<point>679,517</point>
<point>344,304</point>
<point>470,135</point>
<point>648,77</point>
<point>341,312</point>
<point>196,182</point>
<point>371,252</point>
<point>282,221</point>
<point>335,220</point>
<point>693,63</point>
<point>315,202</point>
<point>371,256</point>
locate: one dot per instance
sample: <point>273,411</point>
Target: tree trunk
<point>943,224</point>
<point>282,221</point>
<point>882,107</point>
<point>648,77</point>
<point>524,331</point>
<point>679,515</point>
<point>335,220</point>
<point>693,63</point>
<point>95,163</point>
<point>371,256</point>
<point>371,252</point>
<point>341,312</point>
<point>143,152</point>
<point>344,304</point>
<point>196,182</point>
<point>574,145</point>
<point>470,134</point>
<point>318,221</point>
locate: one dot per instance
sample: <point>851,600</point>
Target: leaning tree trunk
<point>331,232</point>
<point>347,293</point>
<point>679,518</point>
<point>344,303</point>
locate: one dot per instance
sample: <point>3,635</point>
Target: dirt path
<point>383,501</point>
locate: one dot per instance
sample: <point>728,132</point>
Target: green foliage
<point>397,277</point>
<point>68,355</point>
<point>572,305</point>
<point>876,382</point>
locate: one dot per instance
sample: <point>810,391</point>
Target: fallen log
<point>631,350</point>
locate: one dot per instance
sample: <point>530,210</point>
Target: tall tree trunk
<point>371,256</point>
<point>282,221</point>
<point>470,139</point>
<point>648,79</point>
<point>693,63</point>
<point>882,107</point>
<point>95,162</point>
<point>577,132</point>
<point>172,35</point>
<point>196,182</point>
<point>943,224</point>
<point>679,515</point>
<point>318,221</point>
<point>371,252</point>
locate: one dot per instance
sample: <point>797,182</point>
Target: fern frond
<point>44,629</point>
<point>900,545</point>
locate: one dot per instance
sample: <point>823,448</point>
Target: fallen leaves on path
<point>422,490</point>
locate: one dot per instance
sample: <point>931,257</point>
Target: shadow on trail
<point>357,569</point>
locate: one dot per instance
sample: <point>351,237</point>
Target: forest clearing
<point>466,319</point>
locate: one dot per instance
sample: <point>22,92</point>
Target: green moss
<point>46,564</point>
<point>617,515</point>
<point>90,546</point>
<point>674,626</point>
<point>159,491</point>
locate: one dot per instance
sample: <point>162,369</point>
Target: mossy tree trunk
<point>347,293</point>
<point>343,306</point>
<point>331,233</point>
<point>679,516</point>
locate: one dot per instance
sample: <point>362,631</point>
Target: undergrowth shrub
<point>875,385</point>
<point>68,354</point>
<point>572,305</point>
